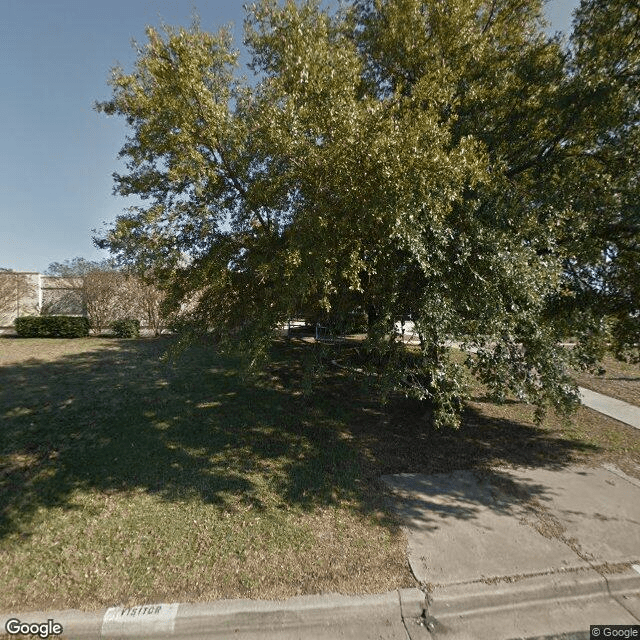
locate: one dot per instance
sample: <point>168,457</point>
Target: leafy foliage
<point>444,161</point>
<point>602,155</point>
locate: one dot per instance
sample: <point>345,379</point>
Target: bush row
<point>70,327</point>
<point>52,327</point>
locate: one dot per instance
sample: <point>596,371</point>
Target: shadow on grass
<point>119,420</point>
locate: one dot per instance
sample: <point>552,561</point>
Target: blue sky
<point>56,153</point>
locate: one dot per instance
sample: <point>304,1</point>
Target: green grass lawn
<point>125,479</point>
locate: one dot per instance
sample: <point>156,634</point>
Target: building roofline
<point>24,272</point>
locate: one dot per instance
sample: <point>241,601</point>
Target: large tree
<point>600,159</point>
<point>400,156</point>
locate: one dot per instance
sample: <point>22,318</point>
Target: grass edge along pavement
<point>512,605</point>
<point>256,487</point>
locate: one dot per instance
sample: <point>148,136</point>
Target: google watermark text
<point>48,629</point>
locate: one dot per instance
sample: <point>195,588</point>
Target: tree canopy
<point>440,159</point>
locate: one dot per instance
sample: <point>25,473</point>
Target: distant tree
<point>78,267</point>
<point>101,286</point>
<point>105,297</point>
<point>109,293</point>
<point>149,300</point>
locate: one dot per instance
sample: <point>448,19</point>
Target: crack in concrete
<point>513,577</point>
<point>536,514</point>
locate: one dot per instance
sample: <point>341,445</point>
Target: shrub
<point>126,328</point>
<point>52,327</point>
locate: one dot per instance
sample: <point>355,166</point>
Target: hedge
<point>52,327</point>
<point>126,328</point>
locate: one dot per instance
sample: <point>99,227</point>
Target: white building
<point>27,293</point>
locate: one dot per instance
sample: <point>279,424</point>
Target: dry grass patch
<point>135,548</point>
<point>494,435</point>
<point>13,349</point>
<point>125,479</point>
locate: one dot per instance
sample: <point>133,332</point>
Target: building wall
<point>27,293</point>
<point>20,295</point>
<point>31,293</point>
<point>62,296</point>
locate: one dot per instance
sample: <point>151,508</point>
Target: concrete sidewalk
<point>618,409</point>
<point>523,552</point>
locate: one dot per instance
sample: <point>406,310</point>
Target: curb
<point>573,585</point>
<point>237,617</point>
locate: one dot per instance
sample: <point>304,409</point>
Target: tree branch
<point>229,173</point>
<point>490,18</point>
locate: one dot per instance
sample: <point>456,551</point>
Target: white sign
<point>143,619</point>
